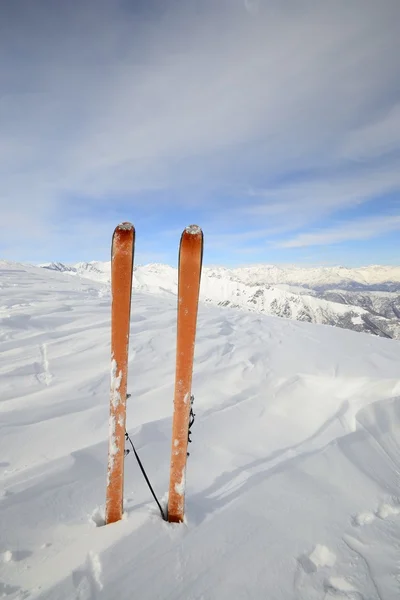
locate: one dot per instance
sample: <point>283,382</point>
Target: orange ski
<point>122,253</point>
<point>190,262</point>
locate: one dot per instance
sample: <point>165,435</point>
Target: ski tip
<point>193,230</point>
<point>125,226</point>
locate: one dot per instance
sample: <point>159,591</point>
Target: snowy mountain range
<point>365,299</point>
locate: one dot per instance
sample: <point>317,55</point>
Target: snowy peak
<point>57,266</point>
<point>335,296</point>
<point>99,271</point>
<point>95,270</point>
<point>319,277</point>
<point>313,277</point>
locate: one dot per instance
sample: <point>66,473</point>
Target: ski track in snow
<point>293,479</point>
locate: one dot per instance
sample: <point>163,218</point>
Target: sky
<point>272,124</point>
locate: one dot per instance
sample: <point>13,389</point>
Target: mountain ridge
<point>340,297</point>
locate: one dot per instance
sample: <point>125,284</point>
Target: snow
<point>115,384</point>
<point>292,484</point>
<point>290,278</point>
<point>7,556</point>
<point>180,487</point>
<point>257,289</point>
<point>193,229</point>
<point>386,510</point>
<point>357,320</point>
<point>125,226</point>
<point>313,276</point>
<point>321,556</point>
<point>338,584</point>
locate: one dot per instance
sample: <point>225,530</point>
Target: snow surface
<point>293,479</point>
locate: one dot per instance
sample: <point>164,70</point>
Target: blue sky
<point>275,125</point>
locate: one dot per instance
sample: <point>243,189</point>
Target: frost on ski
<point>115,384</point>
<point>193,229</point>
<point>125,226</point>
<point>115,402</point>
<point>180,486</point>
<point>113,447</point>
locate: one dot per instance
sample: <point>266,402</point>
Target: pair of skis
<point>189,273</point>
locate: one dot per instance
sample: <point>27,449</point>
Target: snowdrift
<point>293,480</point>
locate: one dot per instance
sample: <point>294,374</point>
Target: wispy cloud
<point>360,229</point>
<point>379,137</point>
<point>293,205</point>
<point>177,106</point>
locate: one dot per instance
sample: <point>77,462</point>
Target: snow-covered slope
<point>251,289</point>
<point>94,270</point>
<point>293,479</point>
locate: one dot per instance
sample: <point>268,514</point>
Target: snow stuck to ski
<point>193,229</point>
<point>125,226</point>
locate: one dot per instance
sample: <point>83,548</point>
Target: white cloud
<point>295,205</point>
<point>360,229</point>
<point>377,138</point>
<point>104,101</point>
<point>252,6</point>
